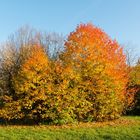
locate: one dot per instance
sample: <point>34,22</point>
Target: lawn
<point>126,128</point>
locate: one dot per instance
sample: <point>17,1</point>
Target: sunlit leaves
<point>100,62</point>
<point>86,82</point>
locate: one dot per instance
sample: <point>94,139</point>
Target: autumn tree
<point>11,60</point>
<point>101,64</point>
<point>68,104</point>
<point>134,86</point>
<point>17,49</point>
<point>29,86</point>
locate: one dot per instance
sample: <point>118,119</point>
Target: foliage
<point>100,63</point>
<point>85,82</point>
<point>134,87</point>
<point>11,60</point>
<point>27,85</point>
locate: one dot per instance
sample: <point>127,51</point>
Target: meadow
<point>125,128</point>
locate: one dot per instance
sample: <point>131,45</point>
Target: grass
<point>126,128</point>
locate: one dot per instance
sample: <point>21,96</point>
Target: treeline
<point>47,78</point>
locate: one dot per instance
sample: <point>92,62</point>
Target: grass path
<point>126,128</point>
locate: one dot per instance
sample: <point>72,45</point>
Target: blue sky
<point>119,18</point>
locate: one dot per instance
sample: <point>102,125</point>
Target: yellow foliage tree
<point>29,84</point>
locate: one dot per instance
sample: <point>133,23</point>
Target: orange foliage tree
<point>100,63</point>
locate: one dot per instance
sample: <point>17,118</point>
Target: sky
<point>120,19</point>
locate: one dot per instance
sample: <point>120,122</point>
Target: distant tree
<point>131,55</point>
<point>134,87</point>
<point>54,43</point>
<point>25,36</point>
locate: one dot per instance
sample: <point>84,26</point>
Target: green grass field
<point>126,128</point>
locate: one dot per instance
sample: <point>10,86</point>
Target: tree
<point>134,87</point>
<point>17,49</point>
<point>29,86</point>
<point>13,54</point>
<point>101,64</point>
